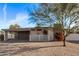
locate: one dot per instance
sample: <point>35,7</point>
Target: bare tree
<point>65,14</point>
<point>42,16</point>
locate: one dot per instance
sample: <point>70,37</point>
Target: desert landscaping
<point>39,49</point>
<point>39,29</point>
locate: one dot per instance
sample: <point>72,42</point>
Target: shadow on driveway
<point>31,49</point>
<point>76,42</point>
<point>21,41</point>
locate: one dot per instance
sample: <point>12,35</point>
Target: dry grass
<point>39,49</point>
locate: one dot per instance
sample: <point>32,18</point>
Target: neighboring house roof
<point>26,29</point>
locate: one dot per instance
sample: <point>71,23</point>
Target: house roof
<point>26,29</point>
<point>20,29</point>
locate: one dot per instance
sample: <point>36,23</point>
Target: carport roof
<point>20,29</point>
<point>27,29</point>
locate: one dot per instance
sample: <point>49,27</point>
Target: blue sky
<point>16,13</point>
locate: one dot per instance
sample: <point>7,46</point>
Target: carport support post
<point>30,37</point>
<point>5,35</point>
<point>49,35</point>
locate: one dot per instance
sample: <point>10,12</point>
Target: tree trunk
<point>64,41</point>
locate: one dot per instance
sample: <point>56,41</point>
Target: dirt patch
<point>39,49</point>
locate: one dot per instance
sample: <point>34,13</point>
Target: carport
<point>23,35</point>
<point>19,34</point>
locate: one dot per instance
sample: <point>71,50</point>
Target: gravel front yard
<point>39,49</point>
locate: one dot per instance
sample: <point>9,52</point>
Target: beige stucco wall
<point>36,32</point>
<point>5,36</point>
<point>50,35</point>
<point>34,36</point>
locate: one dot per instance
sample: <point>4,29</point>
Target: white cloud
<point>19,19</point>
<point>4,12</point>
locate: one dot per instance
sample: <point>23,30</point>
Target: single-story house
<point>30,34</point>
